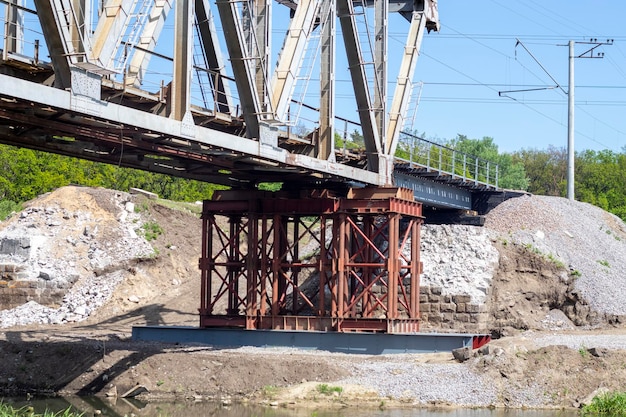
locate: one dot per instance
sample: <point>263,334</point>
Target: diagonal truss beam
<point>380,64</point>
<point>13,28</point>
<point>56,18</point>
<point>241,64</point>
<point>327,82</point>
<point>108,34</point>
<point>284,79</point>
<point>140,60</point>
<point>212,52</point>
<point>404,82</point>
<point>346,13</point>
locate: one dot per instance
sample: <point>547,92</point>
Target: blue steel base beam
<point>356,343</point>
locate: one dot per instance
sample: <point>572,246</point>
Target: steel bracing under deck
<point>318,263</point>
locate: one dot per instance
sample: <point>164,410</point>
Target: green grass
<point>609,404</point>
<point>194,208</point>
<point>151,230</point>
<point>328,389</point>
<point>556,261</point>
<point>8,411</point>
<point>270,391</point>
<point>604,263</point>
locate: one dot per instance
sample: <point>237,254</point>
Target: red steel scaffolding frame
<point>317,263</point>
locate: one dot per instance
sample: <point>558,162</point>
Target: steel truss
<point>326,263</point>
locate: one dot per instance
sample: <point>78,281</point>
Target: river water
<point>122,407</point>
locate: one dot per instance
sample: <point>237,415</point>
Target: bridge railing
<point>435,158</point>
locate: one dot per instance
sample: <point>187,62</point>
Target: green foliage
<point>270,186</point>
<point>328,389</point>
<point>609,404</point>
<point>599,176</point>
<point>600,180</point>
<point>556,261</point>
<point>349,143</point>
<point>25,174</point>
<point>511,173</point>
<point>7,410</point>
<point>532,248</point>
<point>604,262</point>
<point>8,207</point>
<point>270,391</point>
<point>546,170</point>
<point>152,230</point>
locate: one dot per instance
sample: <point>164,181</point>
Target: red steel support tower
<point>316,263</point>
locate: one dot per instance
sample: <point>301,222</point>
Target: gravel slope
<point>586,239</point>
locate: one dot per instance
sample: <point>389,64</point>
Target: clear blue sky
<point>474,56</point>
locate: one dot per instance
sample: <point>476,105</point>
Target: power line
<point>460,84</point>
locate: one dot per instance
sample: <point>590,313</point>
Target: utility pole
<point>589,53</point>
<point>570,125</point>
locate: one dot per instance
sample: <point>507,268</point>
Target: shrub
<point>8,207</point>
<point>152,230</point>
<point>609,404</point>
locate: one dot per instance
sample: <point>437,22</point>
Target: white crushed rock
<point>397,377</point>
<point>459,259</point>
<point>73,242</point>
<point>79,302</point>
<point>577,341</point>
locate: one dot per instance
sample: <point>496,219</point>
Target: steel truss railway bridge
<point>241,92</point>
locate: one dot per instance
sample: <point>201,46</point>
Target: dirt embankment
<point>531,296</point>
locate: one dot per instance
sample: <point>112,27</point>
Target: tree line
<point>26,174</point>
<point>600,175</point>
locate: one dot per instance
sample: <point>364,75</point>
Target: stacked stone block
<point>17,287</point>
<point>447,313</point>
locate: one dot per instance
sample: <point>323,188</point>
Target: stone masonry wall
<point>17,288</point>
<point>450,313</point>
